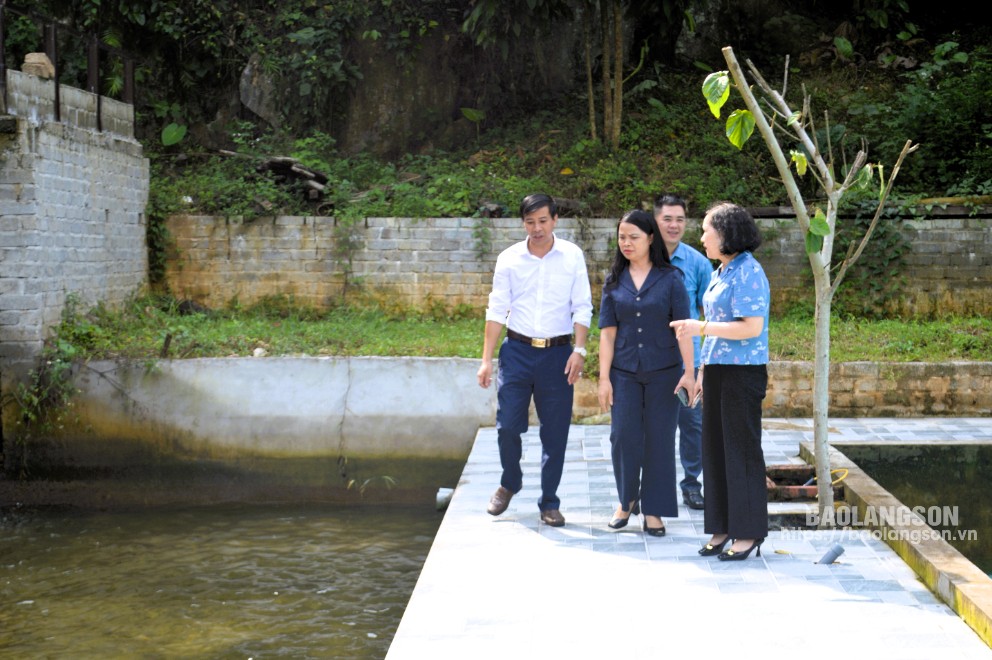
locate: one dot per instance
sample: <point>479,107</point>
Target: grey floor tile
<point>465,606</point>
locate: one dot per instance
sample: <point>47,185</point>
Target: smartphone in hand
<point>683,395</point>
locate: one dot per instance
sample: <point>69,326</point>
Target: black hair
<point>668,199</point>
<point>537,201</point>
<point>737,229</point>
<point>657,252</point>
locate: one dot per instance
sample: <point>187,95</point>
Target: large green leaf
<point>716,89</point>
<point>740,126</point>
<point>818,224</point>
<point>172,134</point>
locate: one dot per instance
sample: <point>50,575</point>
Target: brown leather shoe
<point>499,501</point>
<point>553,518</point>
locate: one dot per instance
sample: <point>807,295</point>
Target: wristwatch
<point>581,350</point>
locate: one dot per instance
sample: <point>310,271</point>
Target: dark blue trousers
<point>736,496</point>
<point>691,445</point>
<point>644,417</point>
<point>525,371</point>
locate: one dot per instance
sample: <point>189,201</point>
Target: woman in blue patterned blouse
<point>732,380</point>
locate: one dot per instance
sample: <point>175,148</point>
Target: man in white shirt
<point>541,294</point>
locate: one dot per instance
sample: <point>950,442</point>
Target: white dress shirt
<point>541,297</point>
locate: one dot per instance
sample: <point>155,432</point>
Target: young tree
<point>611,30</point>
<point>773,116</point>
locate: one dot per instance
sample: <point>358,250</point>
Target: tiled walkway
<point>509,587</point>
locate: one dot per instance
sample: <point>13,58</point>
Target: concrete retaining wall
<point>228,409</point>
<point>306,429</point>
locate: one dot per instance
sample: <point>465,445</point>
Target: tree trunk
<point>821,396</point>
<point>606,7</point>
<point>590,90</point>
<point>617,73</point>
<point>819,260</point>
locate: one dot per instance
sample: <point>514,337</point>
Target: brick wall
<point>72,203</point>
<point>219,259</point>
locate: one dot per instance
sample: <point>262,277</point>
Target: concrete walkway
<point>509,587</point>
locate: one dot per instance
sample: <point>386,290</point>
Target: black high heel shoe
<point>653,531</point>
<point>733,555</point>
<point>709,549</point>
<point>620,523</point>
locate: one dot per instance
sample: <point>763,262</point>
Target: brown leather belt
<point>540,342</point>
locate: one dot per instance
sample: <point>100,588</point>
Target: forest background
<point>438,108</point>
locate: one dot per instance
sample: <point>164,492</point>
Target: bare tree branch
<point>850,260</point>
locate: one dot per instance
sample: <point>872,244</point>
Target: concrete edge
<point>947,572</point>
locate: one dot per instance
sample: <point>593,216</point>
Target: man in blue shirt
<point>670,214</point>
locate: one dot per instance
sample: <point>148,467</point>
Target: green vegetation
<point>895,74</point>
<point>148,325</point>
<point>499,169</point>
<point>44,400</point>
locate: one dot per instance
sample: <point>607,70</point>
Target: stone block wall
<point>884,389</point>
<point>72,212</point>
<point>864,389</point>
<point>946,270</point>
<point>217,260</point>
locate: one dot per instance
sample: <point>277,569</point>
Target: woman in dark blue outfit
<point>641,365</point>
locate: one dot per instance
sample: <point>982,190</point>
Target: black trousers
<point>733,464</point>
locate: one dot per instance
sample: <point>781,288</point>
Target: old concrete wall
<point>303,428</point>
<point>230,410</point>
<point>217,260</point>
<point>72,221</point>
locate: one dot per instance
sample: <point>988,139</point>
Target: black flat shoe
<point>620,523</point>
<point>653,531</point>
<point>732,555</point>
<point>709,549</point>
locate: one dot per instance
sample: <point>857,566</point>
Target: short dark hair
<point>737,229</point>
<point>537,201</point>
<point>657,252</point>
<point>668,199</point>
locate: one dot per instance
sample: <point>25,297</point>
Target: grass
<point>151,328</point>
<point>888,340</point>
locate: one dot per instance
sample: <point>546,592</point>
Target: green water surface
<point>224,581</point>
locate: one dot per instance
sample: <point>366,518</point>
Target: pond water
<point>224,581</point>
<point>951,479</point>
